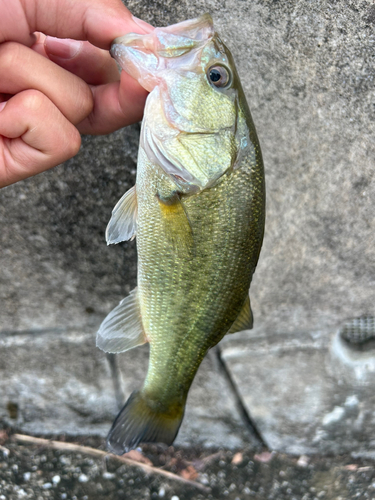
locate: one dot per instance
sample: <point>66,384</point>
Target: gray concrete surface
<point>310,394</point>
<point>59,382</point>
<point>56,269</point>
<point>308,72</point>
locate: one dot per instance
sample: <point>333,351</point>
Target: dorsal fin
<point>176,224</point>
<point>122,329</point>
<point>123,223</point>
<point>244,320</point>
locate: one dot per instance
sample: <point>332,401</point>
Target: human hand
<point>51,89</point>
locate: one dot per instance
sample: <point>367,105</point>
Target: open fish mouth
<point>144,56</point>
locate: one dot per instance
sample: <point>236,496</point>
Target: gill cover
<point>194,128</point>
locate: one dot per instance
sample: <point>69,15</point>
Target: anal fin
<point>176,224</point>
<point>244,320</point>
<point>123,223</point>
<point>122,329</point>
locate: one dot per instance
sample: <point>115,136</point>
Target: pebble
<point>303,461</point>
<point>108,475</point>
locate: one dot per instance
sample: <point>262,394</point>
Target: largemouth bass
<point>197,211</point>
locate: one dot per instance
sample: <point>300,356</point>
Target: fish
<point>197,213</point>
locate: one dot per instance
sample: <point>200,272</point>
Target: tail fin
<point>137,423</point>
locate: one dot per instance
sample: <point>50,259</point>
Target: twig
<point>214,456</point>
<point>59,445</point>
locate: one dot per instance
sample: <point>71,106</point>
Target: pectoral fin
<point>244,320</point>
<point>176,224</point>
<point>123,223</point>
<point>122,329</point>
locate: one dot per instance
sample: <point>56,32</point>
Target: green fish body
<point>198,214</point>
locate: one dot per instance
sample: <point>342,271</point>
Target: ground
<point>35,471</point>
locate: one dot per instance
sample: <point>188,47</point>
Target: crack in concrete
<point>38,331</point>
<point>255,435</point>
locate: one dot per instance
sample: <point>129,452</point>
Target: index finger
<point>98,21</point>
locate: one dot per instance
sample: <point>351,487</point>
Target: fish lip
<point>122,39</point>
<point>198,31</point>
<point>128,40</point>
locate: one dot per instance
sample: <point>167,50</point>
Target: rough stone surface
<point>59,382</point>
<point>56,270</point>
<point>309,394</point>
<point>308,72</point>
<point>55,383</point>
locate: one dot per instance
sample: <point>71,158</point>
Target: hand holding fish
<point>53,89</point>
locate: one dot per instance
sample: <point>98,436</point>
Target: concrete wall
<point>308,72</point>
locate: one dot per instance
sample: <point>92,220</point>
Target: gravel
<point>29,471</point>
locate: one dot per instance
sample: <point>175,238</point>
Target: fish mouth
<point>171,41</point>
<point>144,56</point>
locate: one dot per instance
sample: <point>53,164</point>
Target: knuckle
<point>32,100</point>
<point>85,102</point>
<point>73,143</point>
<point>10,55</point>
<point>68,143</point>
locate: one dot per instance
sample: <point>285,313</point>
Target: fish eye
<point>218,76</point>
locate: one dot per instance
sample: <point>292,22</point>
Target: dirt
<point>32,471</point>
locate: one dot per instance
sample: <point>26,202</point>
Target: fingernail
<point>39,37</point>
<point>62,47</point>
<point>142,24</point>
<point>2,105</point>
